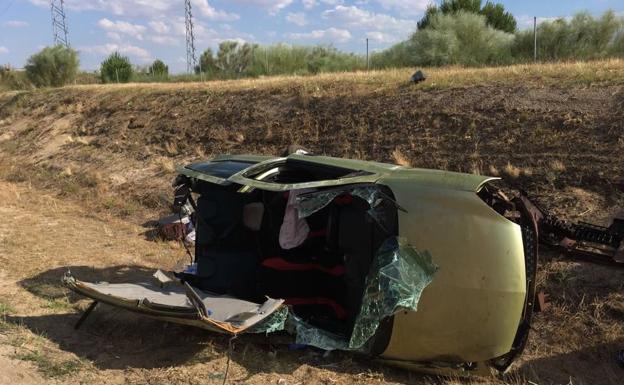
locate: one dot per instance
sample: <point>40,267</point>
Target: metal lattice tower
<point>59,25</point>
<point>191,60</point>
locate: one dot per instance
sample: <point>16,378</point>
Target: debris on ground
<point>418,76</point>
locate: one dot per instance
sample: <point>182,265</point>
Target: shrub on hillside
<point>52,66</point>
<point>207,63</point>
<point>617,46</point>
<point>159,69</point>
<point>13,80</point>
<point>582,37</point>
<point>461,38</point>
<point>397,56</point>
<point>116,69</point>
<point>233,60</point>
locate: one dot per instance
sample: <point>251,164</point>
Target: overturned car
<point>422,269</point>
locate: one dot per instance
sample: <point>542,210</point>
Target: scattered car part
<point>582,240</point>
<point>418,77</point>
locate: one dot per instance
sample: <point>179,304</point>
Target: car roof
<point>387,172</point>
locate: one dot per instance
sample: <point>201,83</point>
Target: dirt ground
<point>83,168</point>
<point>42,236</point>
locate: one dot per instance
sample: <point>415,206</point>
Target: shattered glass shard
<point>397,278</point>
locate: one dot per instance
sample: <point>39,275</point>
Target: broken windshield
<point>220,169</point>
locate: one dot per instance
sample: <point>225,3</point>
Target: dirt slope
<point>83,167</point>
<point>125,140</point>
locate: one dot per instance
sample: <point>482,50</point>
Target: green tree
<point>158,69</point>
<point>116,69</point>
<point>461,38</point>
<point>431,11</point>
<point>399,55</point>
<point>52,66</point>
<point>495,14</point>
<point>583,37</point>
<point>498,18</point>
<point>453,6</point>
<point>233,58</point>
<point>207,63</point>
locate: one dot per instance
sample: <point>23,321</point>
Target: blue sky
<point>149,29</point>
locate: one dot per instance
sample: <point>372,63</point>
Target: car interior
<point>239,249</point>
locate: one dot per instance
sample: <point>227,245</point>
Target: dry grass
<point>566,73</point>
<point>166,165</point>
<point>557,165</point>
<point>493,170</point>
<point>512,171</point>
<point>400,159</point>
<point>538,126</point>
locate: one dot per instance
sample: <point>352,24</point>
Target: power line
<point>7,7</point>
<point>191,59</point>
<point>59,25</point>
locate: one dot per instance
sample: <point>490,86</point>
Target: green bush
<point>233,60</point>
<point>461,38</point>
<point>159,69</point>
<point>495,14</point>
<point>582,37</point>
<point>397,56</point>
<point>498,18</point>
<point>617,46</point>
<point>116,69</point>
<point>13,80</point>
<point>207,63</point>
<point>52,66</point>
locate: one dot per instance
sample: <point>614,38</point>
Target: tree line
<point>462,32</point>
<point>457,32</point>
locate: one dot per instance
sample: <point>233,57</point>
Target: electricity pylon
<point>59,25</point>
<point>191,59</point>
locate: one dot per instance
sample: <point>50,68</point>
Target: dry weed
<point>557,165</point>
<point>171,148</point>
<point>493,170</point>
<point>569,73</point>
<point>511,170</point>
<point>400,158</point>
<point>165,164</point>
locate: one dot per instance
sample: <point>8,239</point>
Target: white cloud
<point>113,36</point>
<point>297,18</point>
<point>331,34</point>
<point>309,4</point>
<point>3,49</point>
<point>143,7</point>
<point>15,24</point>
<point>117,7</point>
<point>377,24</point>
<point>407,7</point>
<point>159,26</point>
<point>273,6</point>
<point>172,32</point>
<point>380,37</point>
<point>211,13</point>
<point>117,28</point>
<point>165,40</point>
<point>133,51</point>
